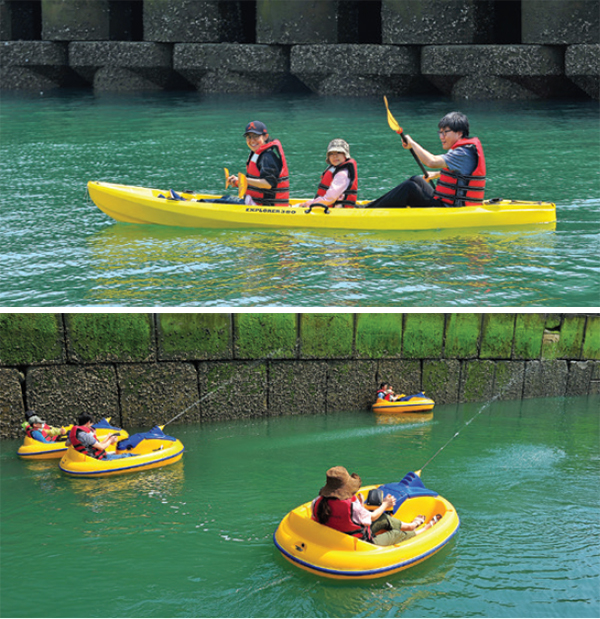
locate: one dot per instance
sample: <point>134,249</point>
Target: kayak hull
<point>322,550</point>
<point>142,205</point>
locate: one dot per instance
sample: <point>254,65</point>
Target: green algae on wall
<point>266,335</point>
<point>187,336</point>
<point>378,335</point>
<point>462,336</point>
<point>326,336</point>
<point>497,333</point>
<point>29,339</point>
<point>423,336</point>
<point>100,338</point>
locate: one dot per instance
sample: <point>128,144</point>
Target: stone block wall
<point>145,369</point>
<point>484,49</point>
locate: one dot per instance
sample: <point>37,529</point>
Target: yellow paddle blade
<point>161,427</point>
<point>226,177</point>
<point>394,126</point>
<point>418,473</point>
<point>242,185</point>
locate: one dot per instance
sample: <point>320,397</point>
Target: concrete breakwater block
<point>362,70</point>
<point>560,22</point>
<point>296,21</point>
<point>496,71</point>
<point>33,65</point>
<point>123,65</point>
<point>582,67</point>
<point>232,67</point>
<point>437,22</point>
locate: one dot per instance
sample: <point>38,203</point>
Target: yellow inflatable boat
<point>324,551</point>
<point>418,403</point>
<point>147,450</point>
<point>36,450</point>
<point>141,205</point>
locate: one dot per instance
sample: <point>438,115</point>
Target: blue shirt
<point>38,436</point>
<point>462,159</point>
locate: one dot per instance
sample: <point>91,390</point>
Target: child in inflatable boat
<point>338,507</point>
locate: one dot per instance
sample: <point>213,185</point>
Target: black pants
<point>416,191</point>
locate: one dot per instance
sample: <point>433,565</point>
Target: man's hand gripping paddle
<point>394,126</point>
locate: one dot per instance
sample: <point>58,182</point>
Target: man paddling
<point>462,171</point>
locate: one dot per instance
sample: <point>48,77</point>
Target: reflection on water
<point>275,268</point>
<point>403,418</point>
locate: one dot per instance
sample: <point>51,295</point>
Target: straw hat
<point>340,484</point>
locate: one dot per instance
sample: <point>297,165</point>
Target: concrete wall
<point>143,369</point>
<point>485,49</point>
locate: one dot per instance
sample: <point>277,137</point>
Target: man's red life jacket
<point>44,430</point>
<point>278,195</point>
<point>341,518</point>
<point>348,198</point>
<point>99,454</point>
<point>386,396</point>
<point>474,184</point>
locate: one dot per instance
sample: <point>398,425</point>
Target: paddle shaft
<point>412,152</point>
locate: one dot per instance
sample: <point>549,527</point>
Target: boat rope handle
<point>318,205</point>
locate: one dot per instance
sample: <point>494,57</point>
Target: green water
<point>195,539</point>
<point>57,249</point>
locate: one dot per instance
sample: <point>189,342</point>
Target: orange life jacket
<point>99,454</point>
<point>447,184</point>
<point>340,518</point>
<point>348,198</point>
<point>278,195</point>
<point>44,430</point>
<point>386,396</point>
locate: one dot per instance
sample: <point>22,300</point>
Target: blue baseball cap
<point>256,127</point>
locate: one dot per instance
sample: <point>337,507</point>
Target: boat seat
<point>408,487</point>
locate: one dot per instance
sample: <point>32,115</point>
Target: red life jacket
<point>475,183</point>
<point>99,454</point>
<point>44,430</point>
<point>348,198</point>
<point>278,195</point>
<point>341,518</point>
<point>387,396</point>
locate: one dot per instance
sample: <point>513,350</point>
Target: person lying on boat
<point>83,439</point>
<point>462,171</point>
<point>39,430</point>
<point>339,507</point>
<point>266,169</point>
<point>339,182</point>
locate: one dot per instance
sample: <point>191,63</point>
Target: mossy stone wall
<point>142,369</point>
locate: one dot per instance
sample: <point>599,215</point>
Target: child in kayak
<point>339,182</point>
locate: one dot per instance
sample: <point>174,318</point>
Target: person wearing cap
<point>266,168</point>
<point>461,171</point>
<point>339,507</point>
<point>38,430</point>
<point>339,182</point>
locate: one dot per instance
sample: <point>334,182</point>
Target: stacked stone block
<point>146,369</point>
<point>459,48</point>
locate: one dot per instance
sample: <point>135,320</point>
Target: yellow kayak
<point>322,550</point>
<point>148,450</point>
<point>405,404</point>
<point>141,205</point>
<point>36,450</point>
